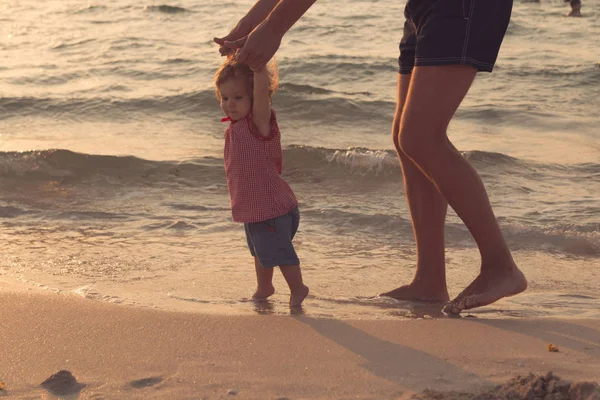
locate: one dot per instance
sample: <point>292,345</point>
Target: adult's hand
<point>257,48</point>
<point>253,17</point>
<point>240,31</point>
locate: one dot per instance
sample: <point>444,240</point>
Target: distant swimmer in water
<point>575,8</point>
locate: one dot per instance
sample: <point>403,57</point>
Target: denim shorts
<point>449,32</point>
<point>271,240</point>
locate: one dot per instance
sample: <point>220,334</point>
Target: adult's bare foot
<point>296,298</point>
<point>263,293</point>
<point>488,288</point>
<point>415,292</point>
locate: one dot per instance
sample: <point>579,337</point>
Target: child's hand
<point>259,69</point>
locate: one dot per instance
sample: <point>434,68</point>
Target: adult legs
<point>434,94</point>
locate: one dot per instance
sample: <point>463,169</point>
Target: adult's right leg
<point>428,213</point>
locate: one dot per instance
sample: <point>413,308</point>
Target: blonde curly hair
<point>231,69</point>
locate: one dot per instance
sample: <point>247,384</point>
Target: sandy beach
<point>123,276</point>
<point>117,351</point>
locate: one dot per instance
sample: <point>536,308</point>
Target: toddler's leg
<point>264,279</point>
<point>293,277</point>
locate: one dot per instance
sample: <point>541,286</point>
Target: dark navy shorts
<point>447,32</point>
<point>271,240</point>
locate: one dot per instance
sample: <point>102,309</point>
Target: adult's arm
<point>254,16</point>
<point>261,44</point>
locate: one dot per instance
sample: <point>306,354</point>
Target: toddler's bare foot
<point>296,299</point>
<point>263,293</point>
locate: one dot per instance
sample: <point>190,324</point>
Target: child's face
<point>235,99</point>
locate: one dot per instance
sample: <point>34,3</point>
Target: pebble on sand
<point>62,383</point>
<point>552,348</point>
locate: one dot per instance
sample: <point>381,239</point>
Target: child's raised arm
<point>261,105</point>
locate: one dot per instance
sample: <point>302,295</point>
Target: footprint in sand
<point>146,382</point>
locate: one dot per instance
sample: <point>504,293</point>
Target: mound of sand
<point>530,387</point>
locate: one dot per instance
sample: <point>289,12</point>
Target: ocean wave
<point>89,9</point>
<point>338,67</point>
<point>299,160</point>
<point>305,104</point>
<point>510,115</point>
<point>165,8</point>
<point>73,167</point>
<point>580,240</point>
<point>309,89</point>
<point>179,60</point>
<point>73,43</point>
<point>11,212</point>
<point>295,105</point>
<point>559,75</point>
<point>566,226</point>
<point>59,78</point>
<point>97,107</point>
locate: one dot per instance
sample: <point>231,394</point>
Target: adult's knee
<point>418,145</point>
<point>396,137</point>
<point>409,143</point>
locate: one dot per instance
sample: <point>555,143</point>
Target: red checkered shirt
<point>253,166</point>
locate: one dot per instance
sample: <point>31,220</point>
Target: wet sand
<point>115,351</point>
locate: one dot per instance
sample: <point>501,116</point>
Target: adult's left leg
<point>428,212</point>
<point>434,95</point>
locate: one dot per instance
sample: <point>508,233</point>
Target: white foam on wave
<point>89,292</point>
<point>363,159</point>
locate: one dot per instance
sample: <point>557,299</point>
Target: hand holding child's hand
<point>258,47</point>
<point>239,32</point>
